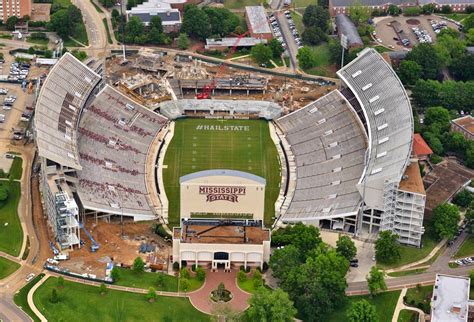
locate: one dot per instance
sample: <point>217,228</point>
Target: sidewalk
<point>31,303</point>
<point>401,306</point>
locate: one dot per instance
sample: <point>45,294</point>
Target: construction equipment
<point>95,246</point>
<point>55,250</point>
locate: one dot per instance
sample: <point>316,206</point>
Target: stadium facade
<point>345,159</point>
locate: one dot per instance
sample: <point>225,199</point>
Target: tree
<point>313,35</point>
<point>195,22</point>
<point>102,289</point>
<point>60,282</point>
<point>200,274</point>
<point>316,16</point>
<point>359,14</point>
<point>11,22</point>
<point>304,238</point>
<point>455,142</point>
<point>276,47</point>
<point>425,93</point>
<point>461,68</point>
<point>393,10</point>
<point>261,54</point>
<point>267,306</point>
<point>155,23</point>
<point>446,218</point>
<point>409,72</point>
<point>151,295</point>
<point>54,296</point>
<point>411,11</point>
<point>362,311</point>
<point>221,20</point>
<point>376,281</point>
<point>183,41</point>
<point>427,57</point>
<point>134,30</point>
<point>387,249</point>
<point>306,58</point>
<point>470,220</point>
<point>107,3</point>
<point>323,3</point>
<point>428,9</point>
<point>138,265</point>
<point>115,274</point>
<point>449,46</point>
<point>437,117</point>
<point>446,9</point>
<point>346,247</point>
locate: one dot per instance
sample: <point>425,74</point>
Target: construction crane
<point>95,246</point>
<point>207,89</point>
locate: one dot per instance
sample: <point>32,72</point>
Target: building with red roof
<point>420,148</point>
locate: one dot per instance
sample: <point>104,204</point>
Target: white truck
<point>61,257</point>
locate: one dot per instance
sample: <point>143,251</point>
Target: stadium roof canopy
<point>222,172</point>
<point>62,97</point>
<point>264,109</point>
<point>386,109</point>
<point>328,143</point>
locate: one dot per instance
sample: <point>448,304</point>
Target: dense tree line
<point>64,21</point>
<point>452,95</point>
<point>309,271</point>
<point>316,20</point>
<point>135,32</point>
<point>209,22</point>
<point>435,131</point>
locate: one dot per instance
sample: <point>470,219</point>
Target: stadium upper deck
<point>387,113</point>
<point>62,97</point>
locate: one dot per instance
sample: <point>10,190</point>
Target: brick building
<point>18,8</point>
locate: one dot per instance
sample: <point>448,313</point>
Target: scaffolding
<point>67,221</point>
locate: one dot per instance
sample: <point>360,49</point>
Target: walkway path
<point>200,299</point>
<point>401,306</point>
<point>31,303</point>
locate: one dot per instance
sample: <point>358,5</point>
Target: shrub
<point>184,273</point>
<point>193,267</point>
<point>54,296</point>
<point>138,265</point>
<point>175,266</point>
<point>241,276</point>
<point>436,159</point>
<point>200,274</point>
<point>151,295</point>
<point>265,266</point>
<point>115,274</point>
<point>102,289</point>
<point>184,284</point>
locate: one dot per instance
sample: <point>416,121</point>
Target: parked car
<point>30,276</point>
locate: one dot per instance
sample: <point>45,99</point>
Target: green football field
<point>204,144</point>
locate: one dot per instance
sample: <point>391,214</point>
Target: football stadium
<point>220,174</point>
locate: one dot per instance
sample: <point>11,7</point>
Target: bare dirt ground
<point>44,234</point>
<point>386,33</point>
<point>114,247</point>
<point>40,11</point>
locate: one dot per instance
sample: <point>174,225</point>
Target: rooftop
<point>61,99</point>
<point>258,19</point>
<point>465,122</point>
<point>346,27</point>
<point>420,147</point>
<point>347,3</point>
<point>450,298</point>
<point>222,172</point>
<point>377,94</point>
<point>411,180</point>
<point>222,234</point>
<point>234,41</point>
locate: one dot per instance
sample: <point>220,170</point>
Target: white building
<point>450,300</point>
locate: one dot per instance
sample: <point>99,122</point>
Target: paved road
<point>95,28</point>
<point>291,46</point>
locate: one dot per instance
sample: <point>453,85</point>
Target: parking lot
<point>385,30</point>
<point>284,29</point>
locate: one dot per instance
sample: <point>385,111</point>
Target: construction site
<point>152,76</point>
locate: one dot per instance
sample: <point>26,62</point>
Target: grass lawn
<point>323,62</point>
<point>80,34</point>
<point>11,234</point>
<point>41,42</point>
<point>408,272</point>
<point>109,38</point>
<point>7,267</point>
<point>381,49</point>
<point>385,304</point>
<point>21,297</point>
<point>420,295</point>
<point>97,8</point>
<point>467,248</point>
<point>63,3</point>
<point>79,302</point>
<point>408,316</point>
<point>146,280</point>
<point>303,3</point>
<point>193,150</point>
<point>241,4</point>
<point>17,168</point>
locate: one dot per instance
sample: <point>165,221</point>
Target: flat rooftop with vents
<point>449,302</point>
